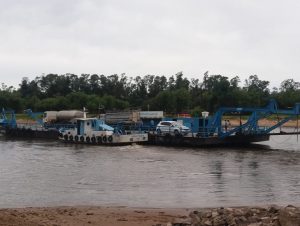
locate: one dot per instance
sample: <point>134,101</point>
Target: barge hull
<point>169,140</point>
<point>30,133</point>
<point>154,139</point>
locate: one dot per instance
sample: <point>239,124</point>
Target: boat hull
<point>114,139</point>
<point>195,141</point>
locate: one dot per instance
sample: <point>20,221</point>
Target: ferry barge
<point>205,131</point>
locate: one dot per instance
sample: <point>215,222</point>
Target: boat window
<point>88,123</point>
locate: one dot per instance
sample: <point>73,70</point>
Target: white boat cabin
<point>93,130</point>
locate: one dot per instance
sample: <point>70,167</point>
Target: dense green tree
<point>257,90</point>
<point>289,85</point>
<point>157,84</point>
<point>180,82</point>
<point>289,93</point>
<point>165,101</point>
<point>182,100</point>
<point>10,99</point>
<point>77,100</point>
<point>29,88</point>
<point>116,92</point>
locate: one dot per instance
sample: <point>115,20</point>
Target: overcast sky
<point>139,37</point>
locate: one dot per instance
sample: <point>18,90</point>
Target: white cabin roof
<point>85,119</point>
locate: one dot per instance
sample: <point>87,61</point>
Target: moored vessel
<point>95,131</point>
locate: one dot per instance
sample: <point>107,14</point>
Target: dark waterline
<point>50,173</point>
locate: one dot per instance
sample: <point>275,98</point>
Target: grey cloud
<point>160,37</point>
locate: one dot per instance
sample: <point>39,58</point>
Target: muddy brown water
<point>50,173</point>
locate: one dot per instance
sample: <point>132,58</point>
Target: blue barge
<point>213,130</point>
<point>205,130</point>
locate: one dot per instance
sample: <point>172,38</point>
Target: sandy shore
<point>80,216</point>
<point>271,215</point>
<point>267,123</point>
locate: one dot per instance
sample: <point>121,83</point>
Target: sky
<point>160,37</point>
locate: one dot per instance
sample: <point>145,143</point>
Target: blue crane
<point>214,124</point>
<point>37,116</point>
<point>8,118</point>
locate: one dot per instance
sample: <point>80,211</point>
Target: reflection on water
<point>49,173</point>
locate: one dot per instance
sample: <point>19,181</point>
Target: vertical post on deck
<point>297,128</point>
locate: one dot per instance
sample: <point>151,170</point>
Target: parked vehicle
<point>172,127</point>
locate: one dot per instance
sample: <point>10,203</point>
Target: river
<point>51,173</point>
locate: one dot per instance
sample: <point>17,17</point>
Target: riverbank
<point>80,216</point>
<point>117,216</point>
<point>267,123</point>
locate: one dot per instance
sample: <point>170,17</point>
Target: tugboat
<point>95,131</point>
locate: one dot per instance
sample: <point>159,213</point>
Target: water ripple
<point>47,173</point>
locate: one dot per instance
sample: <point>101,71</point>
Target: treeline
<point>117,92</point>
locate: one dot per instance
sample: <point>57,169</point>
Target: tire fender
<point>99,140</point>
<point>82,138</point>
